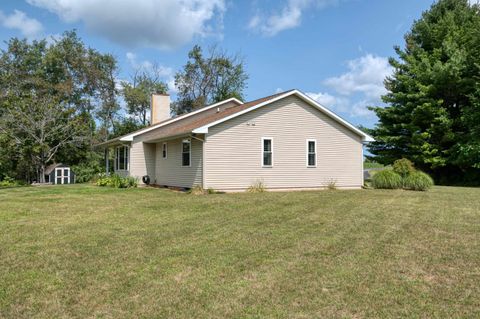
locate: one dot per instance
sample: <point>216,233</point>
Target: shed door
<point>62,175</point>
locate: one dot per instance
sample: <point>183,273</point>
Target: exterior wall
<point>170,171</point>
<point>142,160</point>
<point>233,149</point>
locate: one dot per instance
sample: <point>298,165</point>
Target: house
<point>59,173</point>
<point>286,141</point>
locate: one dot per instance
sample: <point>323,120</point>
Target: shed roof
<point>51,167</point>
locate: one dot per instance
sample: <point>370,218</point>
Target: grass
<point>81,251</point>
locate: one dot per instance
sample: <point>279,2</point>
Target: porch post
<point>107,161</point>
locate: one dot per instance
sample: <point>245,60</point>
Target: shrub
<point>387,179</point>
<point>10,182</point>
<point>85,173</point>
<point>418,181</point>
<point>257,187</point>
<point>403,167</point>
<point>116,181</point>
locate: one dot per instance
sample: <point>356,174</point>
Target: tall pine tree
<point>433,112</point>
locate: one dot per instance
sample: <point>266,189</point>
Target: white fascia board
<point>129,137</point>
<point>365,137</point>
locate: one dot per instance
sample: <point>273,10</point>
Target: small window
<point>186,152</point>
<point>267,152</point>
<point>164,150</point>
<point>311,153</point>
<point>121,158</point>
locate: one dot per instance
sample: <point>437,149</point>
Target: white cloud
<point>366,75</point>
<point>29,27</point>
<point>341,104</point>
<point>163,24</point>
<point>472,2</point>
<point>360,109</point>
<point>290,16</point>
<point>361,86</point>
<point>334,103</point>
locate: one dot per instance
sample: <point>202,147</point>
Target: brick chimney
<point>160,108</point>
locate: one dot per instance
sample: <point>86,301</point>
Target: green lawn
<point>82,251</point>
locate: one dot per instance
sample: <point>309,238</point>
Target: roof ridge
<point>268,97</point>
<point>153,126</point>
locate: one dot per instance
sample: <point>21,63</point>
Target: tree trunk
<point>41,178</point>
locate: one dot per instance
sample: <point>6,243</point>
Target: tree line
<point>59,97</point>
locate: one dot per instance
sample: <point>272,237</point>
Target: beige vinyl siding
<point>170,171</point>
<point>142,160</point>
<point>233,149</point>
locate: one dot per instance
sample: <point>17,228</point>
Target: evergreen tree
<point>433,112</point>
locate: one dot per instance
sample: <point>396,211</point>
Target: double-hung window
<point>267,152</point>
<point>186,152</point>
<point>121,158</point>
<point>311,153</point>
<point>164,150</point>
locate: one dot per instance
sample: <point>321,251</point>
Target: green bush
<point>418,181</point>
<point>116,181</point>
<point>403,167</point>
<point>387,179</point>
<point>10,182</point>
<point>85,172</point>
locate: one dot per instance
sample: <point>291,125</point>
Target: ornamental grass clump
<point>197,190</point>
<point>387,179</point>
<point>402,175</point>
<point>403,167</point>
<point>418,181</point>
<point>257,187</point>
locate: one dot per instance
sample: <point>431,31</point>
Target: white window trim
<point>189,153</point>
<point>263,150</point>
<point>62,176</point>
<point>126,159</point>
<point>165,147</point>
<point>307,152</point>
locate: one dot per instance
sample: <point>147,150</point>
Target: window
<point>311,153</point>
<point>186,152</point>
<point>267,152</point>
<point>164,150</point>
<point>121,158</point>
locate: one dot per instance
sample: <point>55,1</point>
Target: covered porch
<point>116,157</point>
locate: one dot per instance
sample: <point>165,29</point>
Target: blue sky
<point>334,50</point>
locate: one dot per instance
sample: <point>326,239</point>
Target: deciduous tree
<point>138,92</point>
<point>209,79</point>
